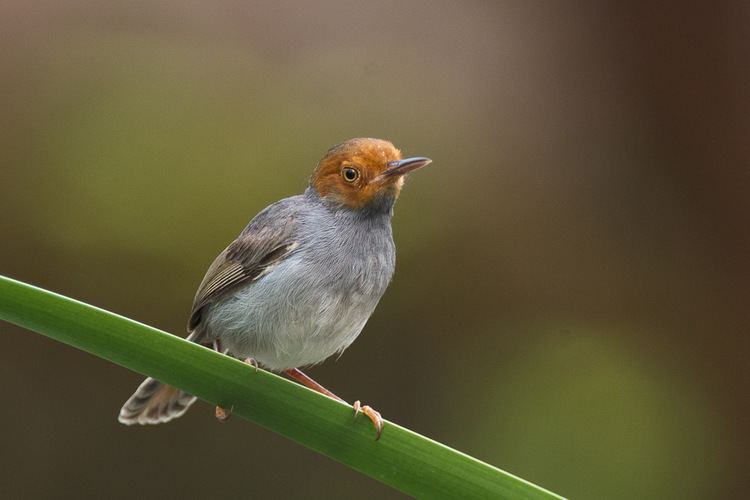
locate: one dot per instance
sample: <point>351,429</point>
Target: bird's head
<point>361,173</point>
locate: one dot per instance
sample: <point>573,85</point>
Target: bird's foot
<point>252,362</point>
<point>222,414</point>
<point>372,414</point>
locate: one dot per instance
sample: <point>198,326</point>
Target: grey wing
<point>266,241</point>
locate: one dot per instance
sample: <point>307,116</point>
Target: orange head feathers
<point>360,171</point>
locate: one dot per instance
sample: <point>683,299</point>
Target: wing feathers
<point>231,274</point>
<point>265,242</point>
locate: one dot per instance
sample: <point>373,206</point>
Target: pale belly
<point>288,320</point>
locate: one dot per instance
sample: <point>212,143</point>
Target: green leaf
<point>402,459</point>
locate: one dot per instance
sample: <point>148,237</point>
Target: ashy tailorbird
<point>301,280</point>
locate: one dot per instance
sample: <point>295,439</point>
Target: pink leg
<point>372,414</point>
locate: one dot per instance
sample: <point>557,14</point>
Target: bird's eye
<point>350,174</point>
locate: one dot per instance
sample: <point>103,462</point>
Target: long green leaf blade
<point>403,459</point>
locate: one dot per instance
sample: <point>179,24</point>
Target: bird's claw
<point>222,414</point>
<point>252,362</point>
<point>372,414</point>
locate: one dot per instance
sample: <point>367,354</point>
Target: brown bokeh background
<point>571,298</point>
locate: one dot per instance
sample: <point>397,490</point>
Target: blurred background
<point>571,298</point>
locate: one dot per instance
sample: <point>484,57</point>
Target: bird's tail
<point>156,403</point>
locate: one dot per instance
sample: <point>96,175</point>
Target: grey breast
<point>317,300</point>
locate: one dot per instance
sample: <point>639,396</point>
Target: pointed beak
<point>401,167</point>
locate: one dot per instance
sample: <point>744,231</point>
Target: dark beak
<point>405,166</point>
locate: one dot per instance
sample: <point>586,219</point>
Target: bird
<point>302,278</point>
